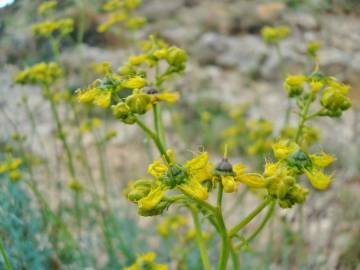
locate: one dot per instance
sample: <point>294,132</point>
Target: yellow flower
<point>271,169</point>
<point>294,84</point>
<point>136,82</point>
<point>252,180</point>
<point>87,95</point>
<point>166,96</point>
<point>14,175</point>
<point>103,99</point>
<point>228,182</point>
<point>199,167</point>
<point>46,6</point>
<point>137,59</point>
<point>147,260</point>
<point>75,185</point>
<point>161,54</point>
<point>15,163</point>
<point>318,179</point>
<point>282,149</point>
<point>157,169</point>
<point>273,35</point>
<point>322,160</point>
<point>194,189</point>
<point>152,199</point>
<point>316,86</point>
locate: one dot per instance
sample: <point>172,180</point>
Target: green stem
<point>234,257</point>
<point>5,257</point>
<point>61,134</point>
<point>249,218</point>
<point>81,30</point>
<point>303,118</point>
<point>158,123</point>
<point>200,240</point>
<point>155,138</point>
<point>225,240</point>
<point>260,227</point>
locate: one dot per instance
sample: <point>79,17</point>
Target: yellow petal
<point>194,189</point>
<point>252,180</point>
<point>228,183</point>
<point>152,199</point>
<point>198,162</point>
<point>318,179</point>
<point>157,169</point>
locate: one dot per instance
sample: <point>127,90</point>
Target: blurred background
<point>231,93</point>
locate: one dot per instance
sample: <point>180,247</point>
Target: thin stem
<point>234,257</point>
<point>249,218</point>
<point>260,227</point>
<point>303,118</point>
<point>61,134</point>
<point>155,138</point>
<point>225,240</point>
<point>5,257</point>
<point>158,123</point>
<point>200,240</point>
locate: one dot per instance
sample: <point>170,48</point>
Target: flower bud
<point>294,85</point>
<point>176,56</point>
<point>122,111</point>
<point>334,100</point>
<point>300,160</point>
<point>157,210</point>
<point>138,103</point>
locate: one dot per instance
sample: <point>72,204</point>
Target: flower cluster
<point>47,29</point>
<point>292,162</point>
<point>146,261</point>
<point>273,35</point>
<point>11,166</point>
<point>149,194</point>
<point>133,76</point>
<point>332,94</point>
<point>52,28</point>
<point>121,12</point>
<point>46,7</point>
<point>40,74</point>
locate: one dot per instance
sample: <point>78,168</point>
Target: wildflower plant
<point>189,183</point>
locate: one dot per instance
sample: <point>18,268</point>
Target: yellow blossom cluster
<point>49,28</point>
<point>11,166</point>
<point>146,261</point>
<point>121,12</point>
<point>292,162</point>
<point>133,76</point>
<point>273,35</point>
<point>41,74</point>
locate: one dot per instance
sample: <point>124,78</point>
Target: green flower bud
<point>138,190</point>
<point>176,56</point>
<point>123,112</point>
<point>294,85</point>
<point>138,103</point>
<point>300,160</point>
<point>334,100</point>
<point>158,210</point>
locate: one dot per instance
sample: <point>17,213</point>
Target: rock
<point>304,21</point>
<point>244,53</point>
